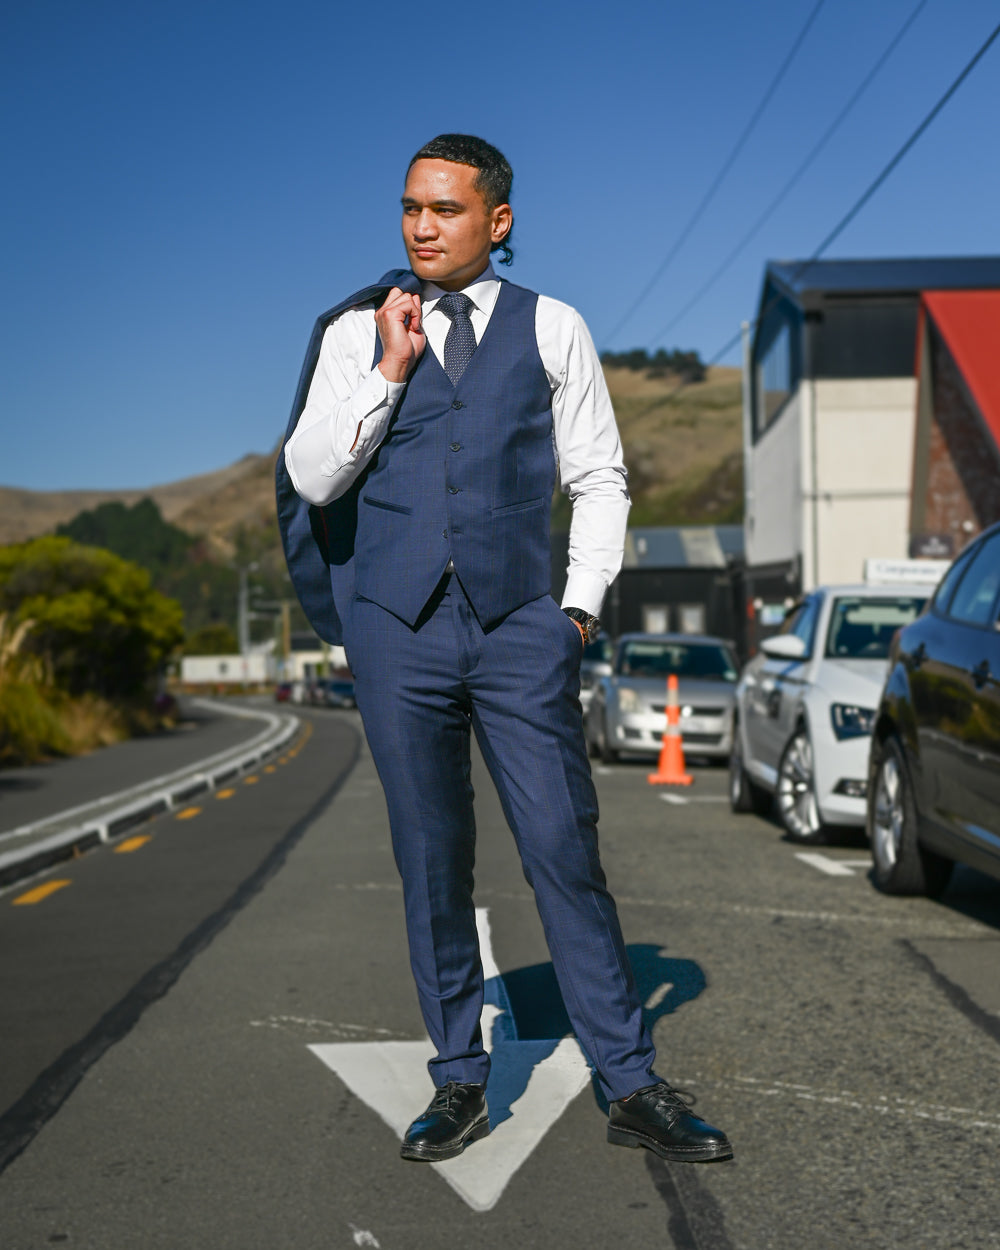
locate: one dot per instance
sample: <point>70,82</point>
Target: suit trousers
<point>421,692</point>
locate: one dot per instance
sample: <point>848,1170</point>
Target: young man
<point>433,412</point>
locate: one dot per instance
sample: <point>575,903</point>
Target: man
<point>433,412</point>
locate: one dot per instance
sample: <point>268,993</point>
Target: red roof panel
<point>970,324</point>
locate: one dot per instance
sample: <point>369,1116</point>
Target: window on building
<point>655,618</point>
<point>863,338</point>
<point>777,362</point>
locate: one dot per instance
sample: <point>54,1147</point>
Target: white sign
<point>531,1084</point>
<point>905,572</point>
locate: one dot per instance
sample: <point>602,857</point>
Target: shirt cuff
<point>375,392</point>
<point>585,590</point>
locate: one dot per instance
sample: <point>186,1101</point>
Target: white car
<point>805,707</point>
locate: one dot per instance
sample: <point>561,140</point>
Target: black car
<point>934,770</point>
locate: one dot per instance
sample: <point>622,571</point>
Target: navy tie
<point>461,340</point>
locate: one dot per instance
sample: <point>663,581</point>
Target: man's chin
<point>430,269</point>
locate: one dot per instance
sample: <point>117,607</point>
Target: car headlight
<point>628,700</point>
<point>851,721</point>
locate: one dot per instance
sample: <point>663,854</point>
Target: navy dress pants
<point>421,691</point>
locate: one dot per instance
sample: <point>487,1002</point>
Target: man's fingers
<point>400,304</point>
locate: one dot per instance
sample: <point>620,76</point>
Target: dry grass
<point>683,447</point>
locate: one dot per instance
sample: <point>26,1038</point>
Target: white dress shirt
<point>349,405</point>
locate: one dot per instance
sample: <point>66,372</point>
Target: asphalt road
<point>34,793</point>
<point>159,1014</point>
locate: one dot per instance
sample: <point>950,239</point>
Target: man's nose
<point>425,226</point>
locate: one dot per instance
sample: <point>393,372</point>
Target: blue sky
<point>188,185</point>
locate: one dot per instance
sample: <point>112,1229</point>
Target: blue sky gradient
<point>189,185</point>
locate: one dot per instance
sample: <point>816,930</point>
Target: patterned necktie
<point>461,340</point>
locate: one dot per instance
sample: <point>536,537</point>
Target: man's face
<point>447,228</point>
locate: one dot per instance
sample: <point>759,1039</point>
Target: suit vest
<point>464,473</point>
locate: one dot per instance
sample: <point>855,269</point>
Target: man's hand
<point>399,328</point>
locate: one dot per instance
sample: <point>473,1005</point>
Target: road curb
<point>69,843</point>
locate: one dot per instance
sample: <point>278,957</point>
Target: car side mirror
<point>784,647</point>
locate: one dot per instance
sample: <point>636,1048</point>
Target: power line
<point>720,176</point>
<point>862,200</point>
<point>780,198</point>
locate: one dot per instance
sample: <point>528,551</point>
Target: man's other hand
<point>399,328</point>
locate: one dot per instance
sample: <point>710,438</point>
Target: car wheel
<point>745,795</point>
<point>902,865</point>
<point>604,748</point>
<point>797,805</point>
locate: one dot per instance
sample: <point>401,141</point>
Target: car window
<point>801,622</point>
<point>705,661</point>
<point>599,650</point>
<point>862,628</point>
<point>976,593</point>
<point>944,592</point>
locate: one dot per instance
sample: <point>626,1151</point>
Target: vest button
<point>455,446</point>
<point>444,533</point>
<point>458,404</point>
<point>452,490</point>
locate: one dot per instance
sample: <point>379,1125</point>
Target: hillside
<point>683,448</point>
<point>683,452</point>
<point>212,504</point>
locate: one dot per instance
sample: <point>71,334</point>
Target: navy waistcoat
<point>464,473</point>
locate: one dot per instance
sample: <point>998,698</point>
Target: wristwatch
<point>590,624</point>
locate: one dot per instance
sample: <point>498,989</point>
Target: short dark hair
<point>493,181</point>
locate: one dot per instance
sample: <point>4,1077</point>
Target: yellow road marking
<point>225,794</point>
<point>188,812</point>
<point>133,844</point>
<point>269,768</point>
<point>250,781</point>
<point>39,892</point>
<point>283,760</point>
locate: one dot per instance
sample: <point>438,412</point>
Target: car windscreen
<point>599,651</point>
<point>862,628</point>
<point>703,661</point>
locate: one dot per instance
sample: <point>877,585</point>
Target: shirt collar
<point>482,291</point>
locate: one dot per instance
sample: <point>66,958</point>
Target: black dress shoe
<point>455,1119</point>
<point>660,1119</point>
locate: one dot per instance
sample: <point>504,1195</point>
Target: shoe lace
<point>445,1096</point>
<point>664,1095</point>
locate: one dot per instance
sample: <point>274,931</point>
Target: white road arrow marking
<point>531,1085</point>
<point>832,867</point>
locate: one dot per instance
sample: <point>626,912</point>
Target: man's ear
<point>503,220</point>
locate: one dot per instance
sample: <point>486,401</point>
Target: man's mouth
<point>426,252</point>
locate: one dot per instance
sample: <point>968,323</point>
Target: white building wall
<point>857,488</point>
<point>225,669</point>
<point>773,529</point>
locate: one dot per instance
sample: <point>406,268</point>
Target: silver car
<point>596,663</point>
<point>627,711</point>
<point>805,707</point>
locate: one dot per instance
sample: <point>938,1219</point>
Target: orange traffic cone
<point>670,770</point>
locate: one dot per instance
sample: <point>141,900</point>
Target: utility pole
<point>243,612</point>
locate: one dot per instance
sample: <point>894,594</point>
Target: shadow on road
<point>664,985</point>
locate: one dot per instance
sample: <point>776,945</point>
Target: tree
<point>138,533</point>
<point>211,640</point>
<point>98,624</point>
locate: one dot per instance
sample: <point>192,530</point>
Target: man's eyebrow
<point>407,201</point>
